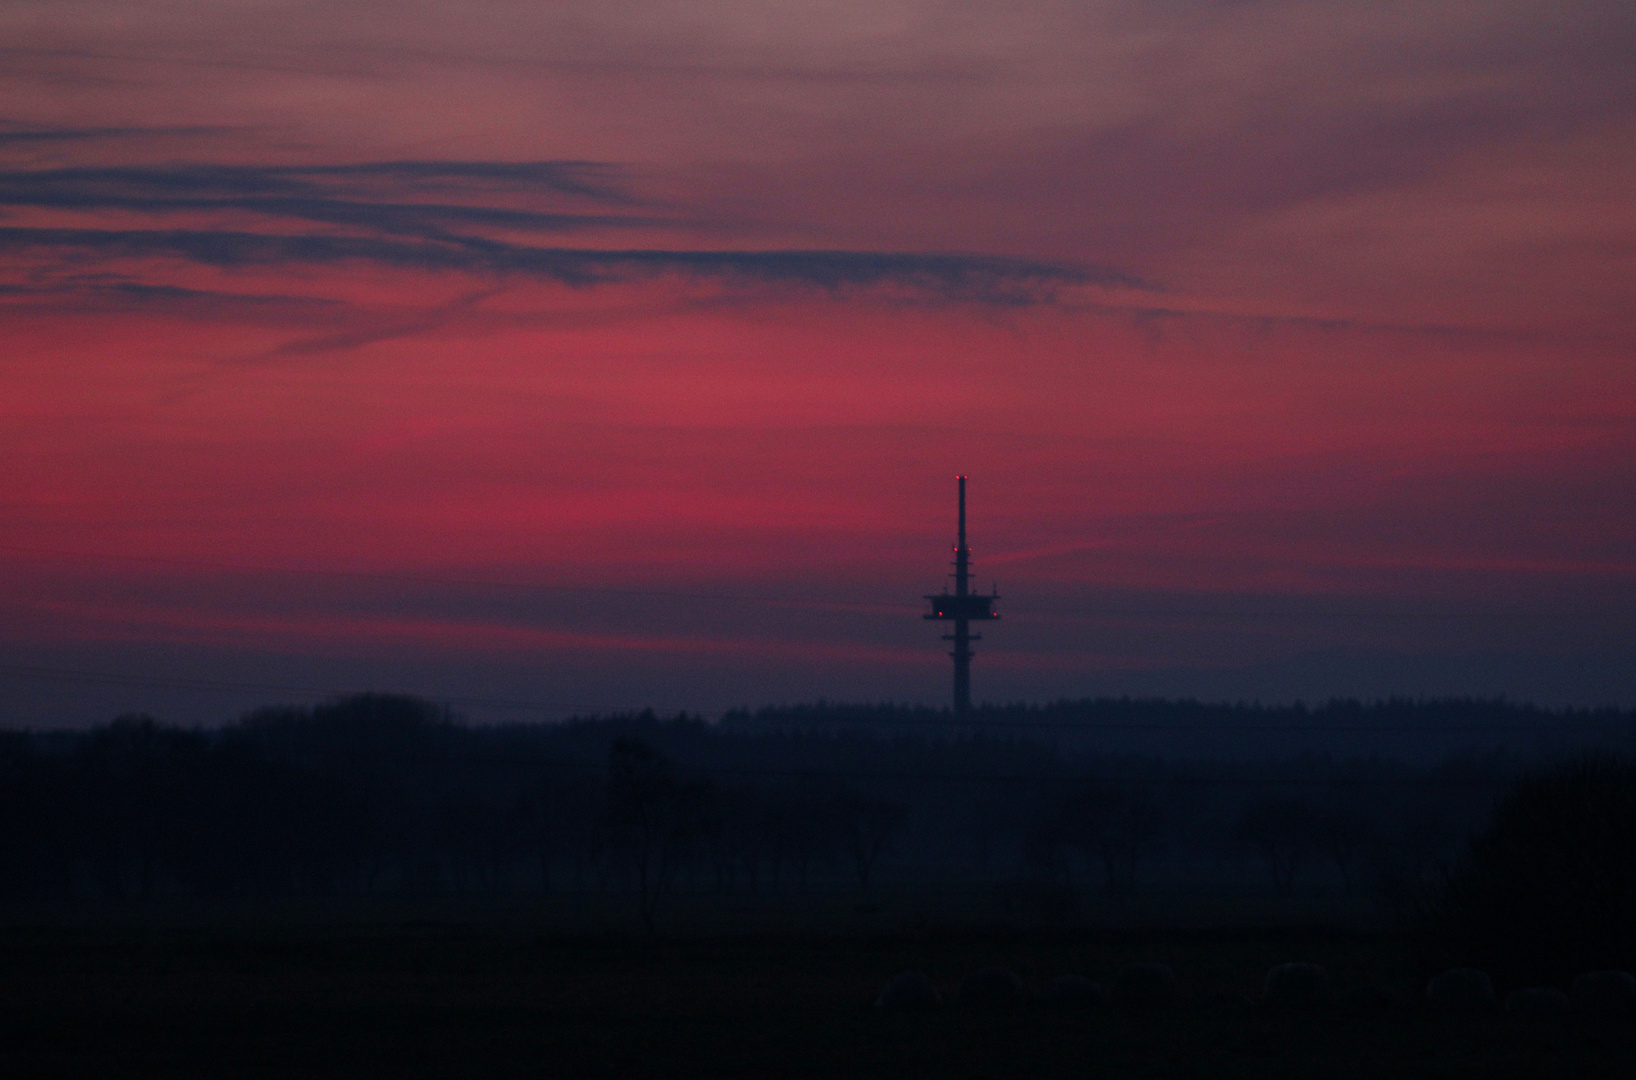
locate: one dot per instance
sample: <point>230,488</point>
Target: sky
<point>548,357</point>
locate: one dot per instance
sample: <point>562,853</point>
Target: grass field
<point>491,996</point>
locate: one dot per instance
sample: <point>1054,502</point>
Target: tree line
<point>388,795</point>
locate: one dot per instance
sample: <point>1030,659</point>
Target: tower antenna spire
<point>962,607</point>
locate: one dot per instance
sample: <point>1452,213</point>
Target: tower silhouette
<point>961,607</point>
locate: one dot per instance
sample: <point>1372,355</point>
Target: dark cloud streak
<point>330,194</point>
<point>139,292</point>
<point>42,135</point>
<point>410,219</point>
<point>374,203</point>
<point>585,179</point>
<point>976,277</point>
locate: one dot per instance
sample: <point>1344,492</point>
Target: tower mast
<point>961,607</point>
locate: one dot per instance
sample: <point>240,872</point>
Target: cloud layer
<point>374,221</point>
<point>1295,306</point>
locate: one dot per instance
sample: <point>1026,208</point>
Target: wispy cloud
<point>105,291</point>
<point>371,195</point>
<point>978,277</point>
<point>13,136</point>
<point>369,212</point>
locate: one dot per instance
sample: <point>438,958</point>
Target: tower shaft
<point>962,664</point>
<point>962,623</point>
<point>962,607</point>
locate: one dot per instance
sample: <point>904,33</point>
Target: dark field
<point>490,996</point>
<point>369,888</point>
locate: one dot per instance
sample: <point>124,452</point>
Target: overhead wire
<point>429,579</point>
<point>1081,612</point>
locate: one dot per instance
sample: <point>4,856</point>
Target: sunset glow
<point>623,354</point>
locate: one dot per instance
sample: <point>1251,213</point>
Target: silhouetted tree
<point>1113,826</point>
<point>1549,889</point>
<point>1281,831</point>
<point>1344,835</point>
<point>141,773</point>
<point>656,816</point>
<point>37,804</point>
<point>867,827</point>
<point>376,792</point>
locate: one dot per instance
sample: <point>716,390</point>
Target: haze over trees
<point>1023,813</point>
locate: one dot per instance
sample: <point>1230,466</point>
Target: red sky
<point>617,354</point>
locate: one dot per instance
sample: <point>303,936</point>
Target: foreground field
<point>486,998</point>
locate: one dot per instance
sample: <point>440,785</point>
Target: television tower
<point>961,607</point>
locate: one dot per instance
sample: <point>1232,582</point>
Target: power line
<point>1082,613</point>
<point>1093,614</point>
<point>480,583</point>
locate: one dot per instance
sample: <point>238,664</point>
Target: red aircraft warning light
<point>961,607</point>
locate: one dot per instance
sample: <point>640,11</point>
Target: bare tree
<point>1342,834</point>
<point>867,827</point>
<point>655,816</point>
<point>1281,831</point>
<point>1113,827</point>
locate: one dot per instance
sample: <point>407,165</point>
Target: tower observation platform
<point>962,607</point>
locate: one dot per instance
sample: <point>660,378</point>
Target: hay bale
<point>1605,995</point>
<point>991,988</point>
<point>1145,986</point>
<point>909,991</point>
<point>1296,986</point>
<point>1461,990</point>
<point>1536,1004</point>
<point>1075,992</point>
